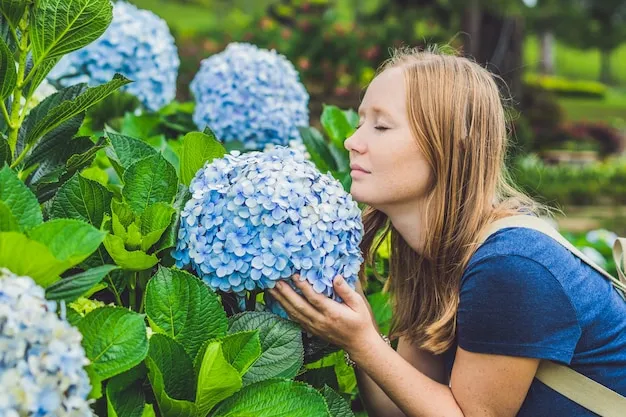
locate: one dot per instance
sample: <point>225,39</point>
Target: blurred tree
<point>599,24</point>
<point>543,18</point>
<point>493,33</point>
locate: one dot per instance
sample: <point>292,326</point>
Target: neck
<point>409,221</point>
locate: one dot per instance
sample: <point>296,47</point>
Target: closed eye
<point>381,128</point>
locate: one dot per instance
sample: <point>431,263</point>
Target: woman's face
<point>388,170</point>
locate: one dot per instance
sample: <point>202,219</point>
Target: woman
<point>428,160</point>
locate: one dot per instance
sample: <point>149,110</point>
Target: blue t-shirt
<point>523,294</point>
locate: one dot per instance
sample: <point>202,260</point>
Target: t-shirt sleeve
<point>514,306</point>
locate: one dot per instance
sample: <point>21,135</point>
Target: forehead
<point>386,93</point>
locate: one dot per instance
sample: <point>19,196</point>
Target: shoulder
<point>512,297</point>
<point>521,263</point>
<point>519,244</point>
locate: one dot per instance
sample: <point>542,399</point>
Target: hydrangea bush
<point>137,44</point>
<point>41,357</point>
<point>250,95</point>
<point>259,217</point>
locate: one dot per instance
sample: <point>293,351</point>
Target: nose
<point>355,143</point>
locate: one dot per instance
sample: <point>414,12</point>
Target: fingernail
<point>338,280</point>
<point>278,285</point>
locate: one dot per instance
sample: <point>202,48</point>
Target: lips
<point>357,167</point>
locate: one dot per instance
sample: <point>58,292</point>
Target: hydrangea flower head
<point>251,95</point>
<point>259,217</point>
<point>137,44</point>
<point>41,358</point>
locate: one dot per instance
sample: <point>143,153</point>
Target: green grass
<point>609,109</point>
<point>584,65</point>
<point>575,63</point>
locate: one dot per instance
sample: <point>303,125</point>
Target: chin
<point>360,196</point>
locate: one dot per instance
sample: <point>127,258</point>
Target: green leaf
<point>198,148</point>
<point>8,222</point>
<point>60,26</point>
<point>281,344</point>
<point>217,379</point>
<point>172,377</point>
<point>27,257</point>
<point>382,310</point>
<point>170,236</point>
<point>7,35</point>
<point>142,126</point>
<point>319,377</point>
<point>274,398</point>
<point>184,308</point>
<point>345,374</point>
<point>123,213</point>
<point>96,383</point>
<point>56,147</point>
<point>151,180</point>
<point>336,125</point>
<point>69,240</point>
<point>136,260</point>
<point>352,117</point>
<point>82,153</point>
<point>8,74</point>
<point>40,73</point>
<point>83,199</point>
<point>5,149</point>
<point>64,157</point>
<point>148,411</point>
<point>115,340</point>
<point>126,150</point>
<point>242,349</point>
<point>19,199</point>
<point>70,288</point>
<point>12,11</point>
<point>129,402</point>
<point>154,221</point>
<point>68,109</point>
<point>125,394</point>
<point>73,317</point>
<point>337,406</point>
<point>318,149</point>
<point>133,238</point>
<point>55,138</point>
<point>169,149</point>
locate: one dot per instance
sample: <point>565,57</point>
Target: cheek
<point>401,176</point>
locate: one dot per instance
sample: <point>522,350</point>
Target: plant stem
<point>132,292</point>
<point>14,122</point>
<point>5,113</point>
<point>22,156</point>
<point>116,294</point>
<point>142,283</point>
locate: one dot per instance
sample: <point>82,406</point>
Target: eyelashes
<point>379,128</point>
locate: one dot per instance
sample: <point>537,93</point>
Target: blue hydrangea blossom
<point>259,217</point>
<point>41,358</point>
<point>251,95</point>
<point>137,44</point>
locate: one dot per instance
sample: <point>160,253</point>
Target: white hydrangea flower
<point>41,358</point>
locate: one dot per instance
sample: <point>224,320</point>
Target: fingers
<point>319,301</point>
<point>294,304</point>
<point>350,297</point>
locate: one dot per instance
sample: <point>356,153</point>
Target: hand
<point>348,325</point>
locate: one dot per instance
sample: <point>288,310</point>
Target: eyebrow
<point>376,110</point>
